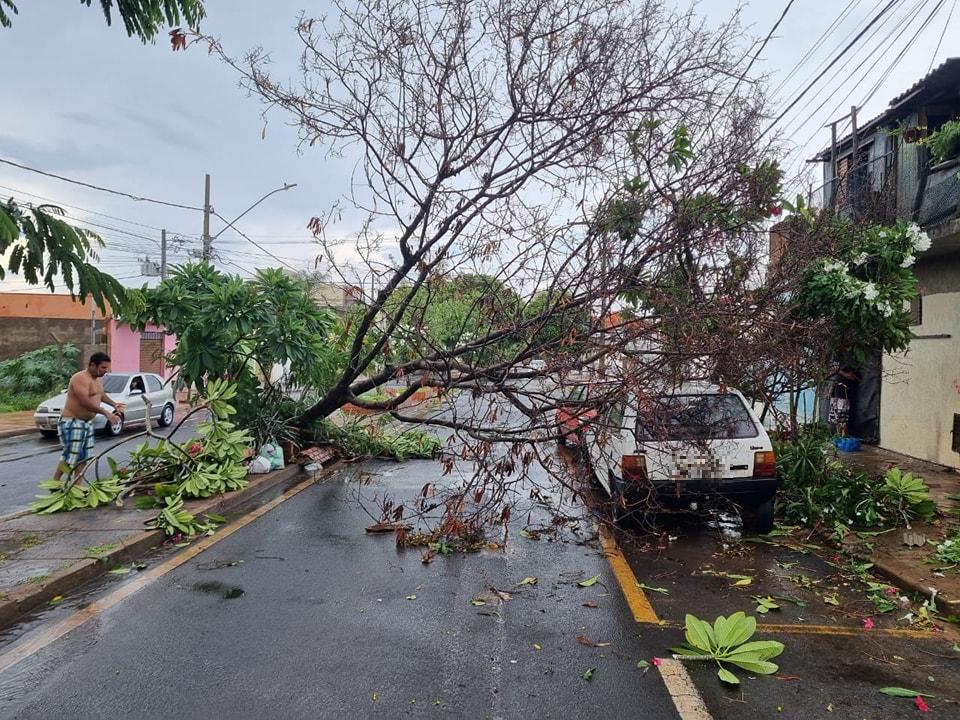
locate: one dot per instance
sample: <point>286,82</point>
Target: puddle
<point>215,587</point>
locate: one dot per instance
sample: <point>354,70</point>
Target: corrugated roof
<point>947,69</point>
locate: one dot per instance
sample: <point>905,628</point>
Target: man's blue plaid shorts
<point>76,436</point>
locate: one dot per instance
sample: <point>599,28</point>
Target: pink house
<point>130,350</point>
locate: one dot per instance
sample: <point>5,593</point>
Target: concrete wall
<point>30,320</point>
<point>19,335</point>
<point>921,388</point>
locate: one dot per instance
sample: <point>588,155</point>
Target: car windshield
<point>694,417</point>
<point>114,383</point>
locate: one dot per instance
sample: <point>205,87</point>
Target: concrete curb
<point>29,596</point>
<point>897,577</point>
<point>18,432</point>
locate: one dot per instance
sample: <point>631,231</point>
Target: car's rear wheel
<point>759,518</point>
<point>116,428</point>
<point>166,417</point>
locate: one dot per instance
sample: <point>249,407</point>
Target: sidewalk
<point>17,423</point>
<point>45,556</point>
<point>907,565</point>
<point>21,423</point>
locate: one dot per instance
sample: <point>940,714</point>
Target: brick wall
<point>18,335</point>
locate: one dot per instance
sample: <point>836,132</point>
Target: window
<point>154,384</point>
<point>694,417</point>
<point>114,383</point>
<point>916,310</point>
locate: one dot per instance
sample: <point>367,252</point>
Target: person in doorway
<point>84,395</point>
<point>841,396</point>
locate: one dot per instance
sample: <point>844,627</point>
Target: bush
<point>357,440</point>
<point>817,488</point>
<point>12,401</point>
<point>39,371</point>
<point>944,144</point>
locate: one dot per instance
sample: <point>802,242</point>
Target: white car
<point>680,447</point>
<point>131,389</point>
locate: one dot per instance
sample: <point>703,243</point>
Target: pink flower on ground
<point>868,623</point>
<point>891,591</point>
<point>921,704</point>
<point>656,662</point>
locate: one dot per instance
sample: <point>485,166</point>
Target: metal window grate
<point>956,433</point>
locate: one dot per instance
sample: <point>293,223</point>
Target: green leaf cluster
<point>816,488</point>
<point>143,18</point>
<point>42,370</point>
<point>43,249</point>
<point>726,642</point>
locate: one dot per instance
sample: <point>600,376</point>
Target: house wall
<point>921,387</point>
<point>125,348</point>
<point>33,320</point>
<point>911,158</point>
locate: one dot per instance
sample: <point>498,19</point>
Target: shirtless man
<point>84,395</point>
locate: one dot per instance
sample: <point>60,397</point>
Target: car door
<point>157,395</point>
<point>136,409</point>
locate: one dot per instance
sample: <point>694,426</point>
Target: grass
<point>29,540</point>
<point>11,401</point>
<point>96,551</point>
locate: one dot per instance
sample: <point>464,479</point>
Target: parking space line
<point>799,629</point>
<point>46,636</point>
<point>637,600</point>
<point>684,694</point>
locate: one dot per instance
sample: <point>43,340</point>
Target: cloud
<point>165,131</point>
<point>66,155</point>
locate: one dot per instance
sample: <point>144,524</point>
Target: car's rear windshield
<point>694,417</point>
<point>114,383</point>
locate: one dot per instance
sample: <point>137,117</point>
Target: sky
<point>83,100</point>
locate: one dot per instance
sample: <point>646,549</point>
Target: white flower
<point>870,291</point>
<point>921,242</point>
<point>885,309</point>
<point>834,266</point>
<point>908,260</point>
<point>860,259</point>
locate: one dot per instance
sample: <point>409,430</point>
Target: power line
<point>255,243</point>
<point>833,62</point>
<point>816,46</point>
<point>940,41</point>
<point>903,52</point>
<point>60,203</point>
<point>888,39</point>
<point>138,198</point>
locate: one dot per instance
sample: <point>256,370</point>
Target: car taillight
<point>634,468</point>
<point>765,464</point>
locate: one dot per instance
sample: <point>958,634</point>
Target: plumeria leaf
<point>727,676</point>
<point>589,582</point>
<point>903,692</point>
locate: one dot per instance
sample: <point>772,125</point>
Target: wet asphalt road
<point>28,459</point>
<point>300,614</point>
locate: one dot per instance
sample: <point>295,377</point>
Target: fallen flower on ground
<point>868,623</point>
<point>921,704</point>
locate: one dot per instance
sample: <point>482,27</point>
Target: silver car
<point>131,389</point>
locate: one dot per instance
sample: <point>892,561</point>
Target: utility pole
<point>163,255</point>
<point>833,165</point>
<point>207,240</point>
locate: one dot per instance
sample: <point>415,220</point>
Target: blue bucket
<point>846,444</point>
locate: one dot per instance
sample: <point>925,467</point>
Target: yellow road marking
<point>684,694</point>
<point>640,606</point>
<point>799,629</point>
<point>35,642</point>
